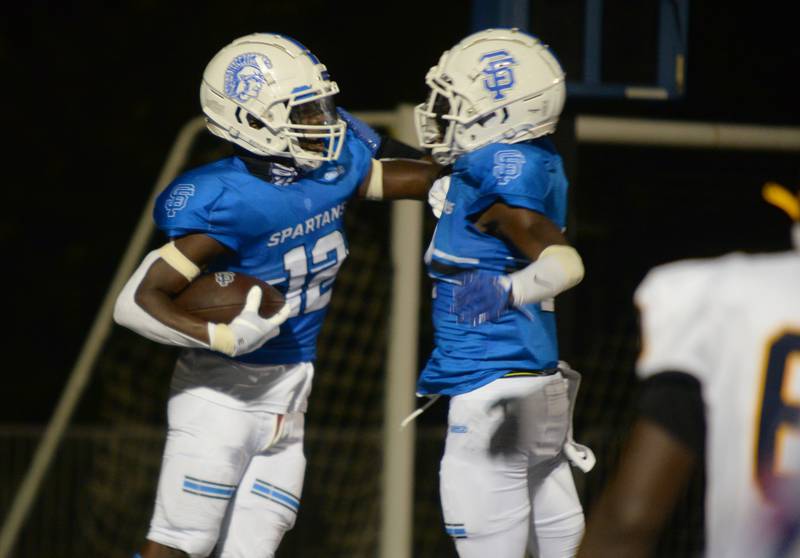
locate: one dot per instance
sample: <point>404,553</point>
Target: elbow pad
<point>129,314</point>
<point>557,269</point>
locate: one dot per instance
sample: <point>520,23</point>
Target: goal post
<point>401,367</point>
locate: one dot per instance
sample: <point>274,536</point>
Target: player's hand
<point>437,195</point>
<point>248,331</point>
<point>481,297</point>
<point>362,130</point>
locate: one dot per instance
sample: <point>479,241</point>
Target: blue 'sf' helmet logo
<point>498,75</point>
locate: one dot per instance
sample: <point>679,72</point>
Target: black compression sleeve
<point>674,401</point>
<point>393,149</point>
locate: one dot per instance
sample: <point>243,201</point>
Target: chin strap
<point>276,170</point>
<point>282,174</point>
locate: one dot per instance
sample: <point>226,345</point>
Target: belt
<point>530,373</point>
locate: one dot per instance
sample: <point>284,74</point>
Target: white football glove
<point>437,195</point>
<point>248,331</point>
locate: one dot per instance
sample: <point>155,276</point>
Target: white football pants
<point>229,478</point>
<point>505,484</point>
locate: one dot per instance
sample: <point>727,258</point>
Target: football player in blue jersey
<point>498,258</point>
<point>233,465</point>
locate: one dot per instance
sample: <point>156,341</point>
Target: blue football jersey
<point>291,236</point>
<point>529,175</point>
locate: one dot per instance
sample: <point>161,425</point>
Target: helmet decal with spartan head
<point>245,75</point>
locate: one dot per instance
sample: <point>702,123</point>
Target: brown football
<point>220,296</point>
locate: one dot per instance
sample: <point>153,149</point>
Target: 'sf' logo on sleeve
<point>507,165</point>
<point>178,198</point>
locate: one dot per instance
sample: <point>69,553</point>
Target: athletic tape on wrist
<point>221,338</point>
<point>375,186</point>
<point>180,263</point>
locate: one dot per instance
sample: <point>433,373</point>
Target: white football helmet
<point>270,95</point>
<point>495,86</point>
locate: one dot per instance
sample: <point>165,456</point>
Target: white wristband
<point>557,269</point>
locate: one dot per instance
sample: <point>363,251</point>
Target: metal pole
<point>703,135</point>
<point>398,452</point>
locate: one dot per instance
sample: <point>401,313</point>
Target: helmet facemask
<point>309,129</point>
<point>435,121</point>
<point>315,132</point>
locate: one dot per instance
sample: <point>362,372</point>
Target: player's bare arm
<point>528,231</point>
<point>163,282</point>
<point>555,266</point>
<point>146,303</point>
<point>653,472</point>
<point>399,179</point>
<point>398,170</point>
<point>655,467</point>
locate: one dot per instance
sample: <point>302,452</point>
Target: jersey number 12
<point>312,274</point>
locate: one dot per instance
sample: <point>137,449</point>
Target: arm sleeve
<point>129,314</point>
<point>674,401</point>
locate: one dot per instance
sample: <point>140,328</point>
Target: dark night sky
<point>95,95</point>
